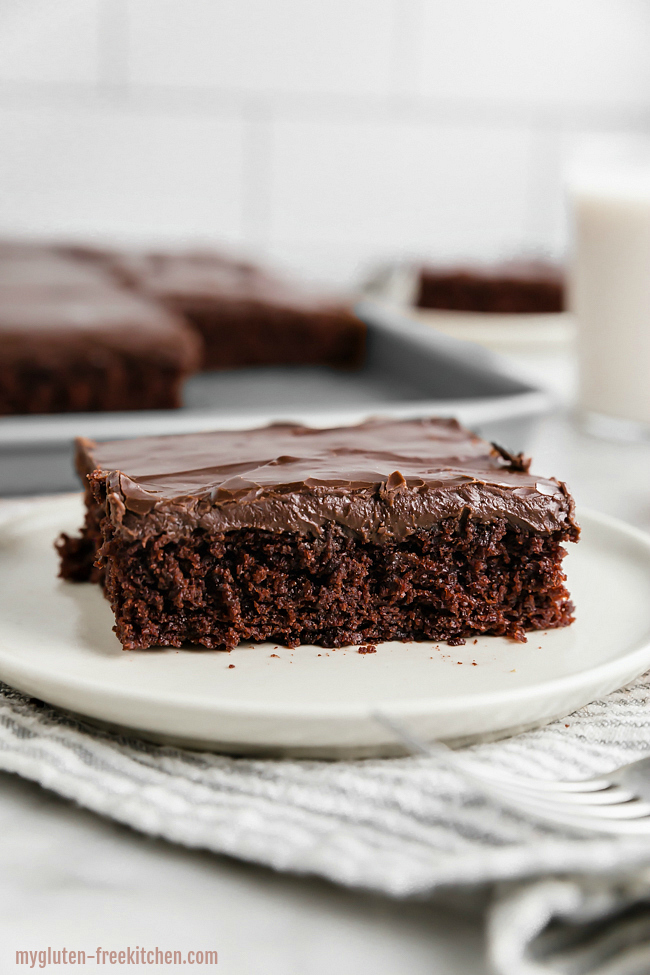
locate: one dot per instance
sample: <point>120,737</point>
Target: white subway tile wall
<point>544,53</point>
<point>41,41</point>
<point>336,46</point>
<point>325,136</point>
<point>400,185</point>
<point>80,172</point>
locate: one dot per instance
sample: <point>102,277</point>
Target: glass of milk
<point>609,289</point>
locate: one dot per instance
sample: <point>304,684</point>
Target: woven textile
<point>404,827</point>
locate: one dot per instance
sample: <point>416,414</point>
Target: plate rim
<point>635,660</point>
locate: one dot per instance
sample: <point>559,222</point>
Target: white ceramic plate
<point>396,286</point>
<point>504,333</point>
<point>57,644</point>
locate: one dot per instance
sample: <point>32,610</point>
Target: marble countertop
<point>70,878</point>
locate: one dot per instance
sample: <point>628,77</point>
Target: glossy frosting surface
<point>382,478</point>
<point>40,326</point>
<point>32,271</point>
<point>195,277</point>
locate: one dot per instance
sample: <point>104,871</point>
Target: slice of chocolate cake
<point>519,287</point>
<point>391,530</point>
<point>75,349</point>
<point>246,316</point>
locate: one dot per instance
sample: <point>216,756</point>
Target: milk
<point>610,293</point>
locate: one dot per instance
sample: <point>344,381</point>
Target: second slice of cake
<point>391,530</point>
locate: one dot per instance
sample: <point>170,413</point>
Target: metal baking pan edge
<point>448,377</point>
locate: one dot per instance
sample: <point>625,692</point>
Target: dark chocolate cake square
<point>245,315</point>
<point>77,348</point>
<point>85,328</point>
<point>515,287</point>
<point>390,530</point>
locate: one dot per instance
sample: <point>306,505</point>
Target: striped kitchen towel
<point>555,901</point>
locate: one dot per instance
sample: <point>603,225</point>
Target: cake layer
<point>450,582</point>
<point>78,297</point>
<point>523,287</point>
<point>86,349</point>
<point>246,316</point>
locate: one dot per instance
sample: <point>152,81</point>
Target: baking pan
<point>409,370</point>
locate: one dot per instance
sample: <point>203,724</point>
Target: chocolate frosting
<point>41,326</point>
<point>197,280</point>
<point>384,478</point>
<point>35,272</point>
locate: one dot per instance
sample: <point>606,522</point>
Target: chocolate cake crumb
<point>368,648</point>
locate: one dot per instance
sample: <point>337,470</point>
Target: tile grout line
<point>410,109</point>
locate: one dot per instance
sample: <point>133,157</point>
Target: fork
<point>618,802</point>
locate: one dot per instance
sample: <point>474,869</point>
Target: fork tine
<point>616,827</point>
<point>605,797</point>
<point>438,749</point>
<point>596,805</point>
<point>579,786</point>
<point>626,808</point>
<point>591,824</point>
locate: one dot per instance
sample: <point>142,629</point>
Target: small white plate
<point>396,286</point>
<point>56,643</point>
<point>504,333</point>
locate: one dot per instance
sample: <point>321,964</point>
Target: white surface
<point>546,54</point>
<point>52,42</point>
<point>314,701</point>
<point>261,46</point>
<point>393,187</point>
<point>611,294</point>
<point>322,107</point>
<point>138,175</point>
<point>70,878</point>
